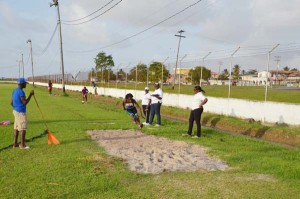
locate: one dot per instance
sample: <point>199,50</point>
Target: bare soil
<point>151,154</point>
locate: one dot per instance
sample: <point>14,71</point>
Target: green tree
<point>236,71</point>
<point>286,68</point>
<point>155,72</point>
<point>121,75</point>
<point>141,73</point>
<point>224,75</point>
<point>195,74</point>
<point>103,63</point>
<point>251,72</point>
<point>294,69</point>
<point>225,71</point>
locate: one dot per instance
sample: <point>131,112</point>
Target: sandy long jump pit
<point>151,154</point>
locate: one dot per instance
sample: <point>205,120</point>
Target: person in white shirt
<point>156,101</point>
<point>197,108</point>
<point>146,101</point>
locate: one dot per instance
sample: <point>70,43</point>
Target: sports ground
<point>82,167</point>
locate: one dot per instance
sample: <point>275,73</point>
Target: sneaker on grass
<point>26,147</point>
<point>196,137</point>
<point>186,135</point>
<point>157,125</point>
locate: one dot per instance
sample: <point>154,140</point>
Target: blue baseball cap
<point>22,80</point>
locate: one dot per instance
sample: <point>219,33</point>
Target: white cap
<point>146,88</point>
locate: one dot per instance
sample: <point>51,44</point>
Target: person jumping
<point>130,105</point>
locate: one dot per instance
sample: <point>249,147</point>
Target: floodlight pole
<point>148,73</point>
<point>23,64</point>
<point>30,43</point>
<point>55,3</point>
<point>117,75</point>
<point>277,59</point>
<point>162,72</point>
<point>126,77</point>
<point>200,83</point>
<point>180,72</point>
<point>180,36</point>
<point>230,70</point>
<point>269,53</point>
<point>136,72</point>
<point>18,61</point>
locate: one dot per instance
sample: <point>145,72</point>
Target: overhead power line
<point>50,41</point>
<point>89,14</point>
<point>95,16</point>
<point>136,34</point>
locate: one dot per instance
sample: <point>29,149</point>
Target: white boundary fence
<point>270,112</point>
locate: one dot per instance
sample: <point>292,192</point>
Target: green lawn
<point>77,168</point>
<point>275,94</point>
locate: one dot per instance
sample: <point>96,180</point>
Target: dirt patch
<point>151,154</point>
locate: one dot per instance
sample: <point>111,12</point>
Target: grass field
<point>77,168</point>
<point>275,94</point>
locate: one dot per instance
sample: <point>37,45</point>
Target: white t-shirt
<point>155,100</point>
<point>145,98</point>
<point>197,100</point>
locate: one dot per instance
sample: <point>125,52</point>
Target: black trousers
<point>146,113</point>
<point>195,116</point>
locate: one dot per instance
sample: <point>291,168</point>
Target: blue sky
<point>217,26</point>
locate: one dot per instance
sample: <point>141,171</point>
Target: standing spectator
<point>197,108</point>
<point>156,101</point>
<point>84,92</point>
<point>146,101</point>
<point>50,87</point>
<point>95,87</point>
<point>129,105</point>
<point>19,102</point>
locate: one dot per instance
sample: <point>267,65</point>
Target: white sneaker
<point>26,147</point>
<point>157,125</point>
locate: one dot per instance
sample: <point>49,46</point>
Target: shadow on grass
<point>27,140</point>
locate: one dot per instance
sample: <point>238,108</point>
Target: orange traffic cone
<point>52,139</point>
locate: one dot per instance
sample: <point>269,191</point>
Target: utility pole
<point>55,3</point>
<point>269,54</point>
<point>203,66</point>
<point>180,36</point>
<point>230,70</point>
<point>30,43</point>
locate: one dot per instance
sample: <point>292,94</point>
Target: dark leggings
<point>195,116</point>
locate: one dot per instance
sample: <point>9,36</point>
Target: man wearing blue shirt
<point>19,102</point>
